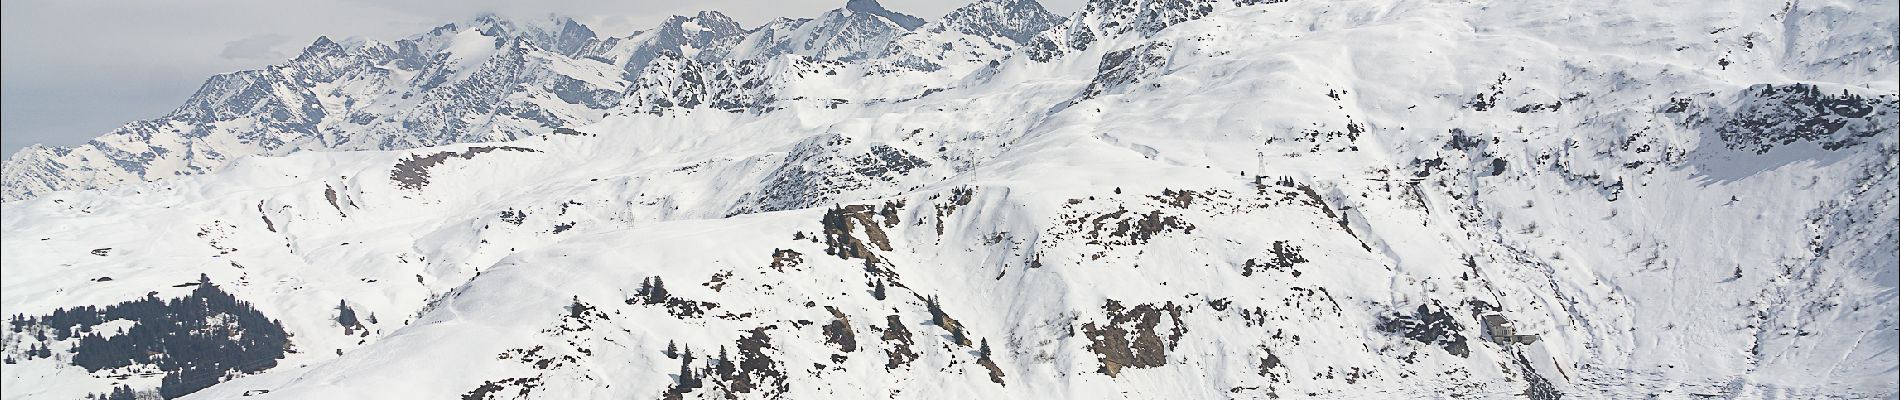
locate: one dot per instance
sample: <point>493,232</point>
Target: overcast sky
<point>75,69</point>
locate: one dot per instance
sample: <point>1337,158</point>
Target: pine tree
<point>646,288</point>
<point>686,369</point>
<point>724,367</point>
<point>659,292</point>
<point>936,314</point>
<point>686,378</point>
<point>121,393</point>
<point>984,350</point>
<point>576,309</point>
<point>672,351</point>
<point>877,292</point>
<point>346,316</point>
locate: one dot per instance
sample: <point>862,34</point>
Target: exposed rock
<point>785,258</point>
<point>1285,256</point>
<point>959,196</point>
<point>413,172</point>
<point>1129,338</point>
<point>513,216</point>
<point>268,225</point>
<point>838,332</point>
<point>899,338</point>
<point>1768,116</point>
<point>840,224</point>
<point>495,389</point>
<point>757,371</point>
<point>1431,325</point>
<point>1127,67</point>
<point>996,373</point>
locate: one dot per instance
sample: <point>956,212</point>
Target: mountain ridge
<point>561,78</point>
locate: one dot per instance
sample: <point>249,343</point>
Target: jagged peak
<point>493,24</point>
<point>872,7</point>
<point>781,23</point>
<point>710,16</point>
<point>551,32</point>
<point>442,29</point>
<point>711,21</point>
<point>1018,20</point>
<point>323,46</point>
<point>323,41</point>
<point>569,24</point>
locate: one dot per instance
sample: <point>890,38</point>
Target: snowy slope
<point>1147,199</point>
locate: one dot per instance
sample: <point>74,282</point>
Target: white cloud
<point>259,47</point>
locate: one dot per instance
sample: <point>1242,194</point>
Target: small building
<point>1501,331</point>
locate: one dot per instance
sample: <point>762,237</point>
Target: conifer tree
<point>936,313</point>
<point>659,294</point>
<point>345,316</point>
<point>686,377</point>
<point>724,366</point>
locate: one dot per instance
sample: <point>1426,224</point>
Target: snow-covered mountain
<point>1146,199</point>
<point>484,80</point>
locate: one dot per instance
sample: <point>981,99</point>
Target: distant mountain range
<point>494,79</point>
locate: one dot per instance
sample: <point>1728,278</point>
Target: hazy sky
<point>72,70</point>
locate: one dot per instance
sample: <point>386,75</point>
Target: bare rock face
<point>1767,116</point>
<point>839,332</point>
<point>1429,325</point>
<point>786,258</point>
<point>841,227</point>
<point>1135,337</point>
<point>413,172</point>
<point>899,340</point>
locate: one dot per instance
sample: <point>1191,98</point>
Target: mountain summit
<point>873,8</point>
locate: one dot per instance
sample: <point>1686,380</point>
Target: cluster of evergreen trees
<point>33,351</point>
<point>943,320</point>
<point>652,291</point>
<point>118,393</point>
<point>198,340</point>
<point>690,378</point>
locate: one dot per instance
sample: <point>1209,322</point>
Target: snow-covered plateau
<point>1147,199</point>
